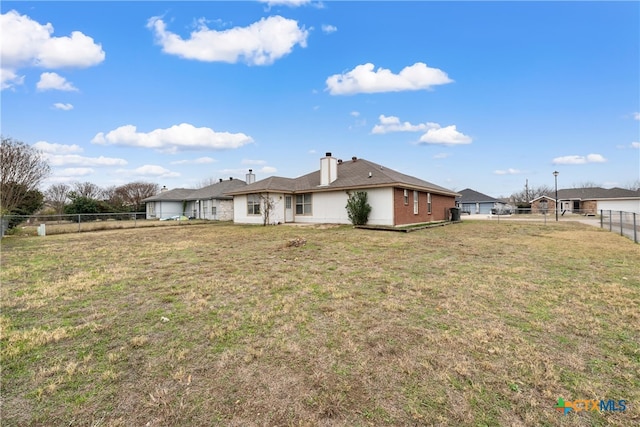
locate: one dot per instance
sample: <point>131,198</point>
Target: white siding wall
<point>619,205</point>
<point>240,210</point>
<point>330,207</point>
<point>167,209</point>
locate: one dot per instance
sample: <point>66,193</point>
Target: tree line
<point>22,171</point>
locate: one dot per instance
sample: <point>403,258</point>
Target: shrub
<point>358,209</point>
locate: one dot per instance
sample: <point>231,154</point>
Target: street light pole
<point>555,176</point>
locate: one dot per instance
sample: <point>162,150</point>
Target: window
<point>287,202</point>
<point>406,197</point>
<point>303,204</point>
<point>428,203</point>
<point>415,202</point>
<point>213,211</point>
<point>544,206</point>
<point>253,204</point>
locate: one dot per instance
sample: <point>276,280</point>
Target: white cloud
<point>253,162</point>
<point>261,43</point>
<point>636,116</point>
<point>392,124</point>
<point>198,161</point>
<point>363,79</point>
<point>355,113</point>
<point>54,81</point>
<point>151,170</point>
<point>47,147</point>
<point>441,155</point>
<point>176,138</point>
<point>448,135</point>
<point>267,170</point>
<point>509,171</point>
<point>77,160</point>
<point>27,43</point>
<point>61,106</point>
<point>67,172</point>
<point>328,29</point>
<point>579,160</point>
<point>291,3</point>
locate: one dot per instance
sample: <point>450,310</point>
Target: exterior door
<point>288,209</point>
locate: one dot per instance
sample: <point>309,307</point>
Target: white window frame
<point>406,196</point>
<point>253,204</point>
<point>415,202</point>
<point>304,201</point>
<point>428,203</point>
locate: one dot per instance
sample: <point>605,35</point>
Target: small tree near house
<point>268,205</point>
<point>358,209</point>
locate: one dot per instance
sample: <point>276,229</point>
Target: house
<point>588,201</point>
<point>321,196</point>
<point>474,202</point>
<point>209,202</point>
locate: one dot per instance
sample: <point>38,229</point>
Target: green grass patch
<point>477,323</point>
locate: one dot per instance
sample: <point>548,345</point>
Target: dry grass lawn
<point>473,324</point>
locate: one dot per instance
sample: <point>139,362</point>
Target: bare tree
<point>22,169</point>
<point>207,182</point>
<point>133,193</point>
<point>88,190</point>
<point>586,184</point>
<point>268,205</point>
<point>525,196</point>
<point>57,196</point>
<point>633,185</point>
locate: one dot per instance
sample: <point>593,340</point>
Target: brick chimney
<point>328,169</point>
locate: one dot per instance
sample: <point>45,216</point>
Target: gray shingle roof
<point>217,190</point>
<point>352,174</point>
<point>471,196</point>
<point>177,194</point>
<point>213,191</point>
<point>593,193</point>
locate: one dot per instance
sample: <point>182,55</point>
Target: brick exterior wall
<point>589,207</point>
<point>536,207</point>
<point>403,214</point>
<point>224,211</point>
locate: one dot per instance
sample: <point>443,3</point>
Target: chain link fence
<point>72,223</point>
<point>625,223</point>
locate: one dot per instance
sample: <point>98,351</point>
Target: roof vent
<point>220,179</point>
<point>230,178</point>
<point>339,161</point>
<point>370,174</point>
<point>354,158</point>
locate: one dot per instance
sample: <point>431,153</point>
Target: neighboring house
<point>474,202</point>
<point>588,201</point>
<point>209,202</point>
<point>321,196</point>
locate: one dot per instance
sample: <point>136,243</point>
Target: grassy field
<point>472,324</point>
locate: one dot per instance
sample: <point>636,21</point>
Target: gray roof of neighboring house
<point>217,190</point>
<point>592,193</point>
<point>213,191</point>
<point>471,196</point>
<point>175,195</point>
<point>352,174</point>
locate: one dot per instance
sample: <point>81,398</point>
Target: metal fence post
<point>621,229</point>
<point>610,223</point>
<point>635,229</point>
<point>79,222</point>
<point>601,218</point>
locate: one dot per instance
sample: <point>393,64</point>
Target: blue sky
<point>484,95</point>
